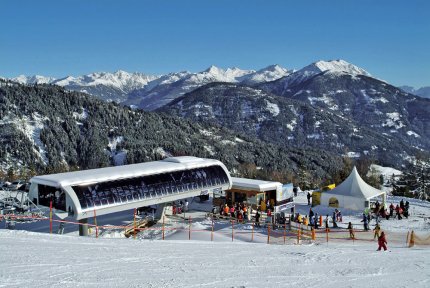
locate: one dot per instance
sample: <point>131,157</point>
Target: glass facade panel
<point>146,187</point>
<point>48,194</point>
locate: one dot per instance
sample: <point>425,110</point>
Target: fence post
<point>326,234</point>
<point>163,227</point>
<point>252,233</point>
<point>189,227</point>
<point>232,230</point>
<point>320,220</point>
<point>212,232</point>
<point>95,222</point>
<point>407,238</point>
<point>268,233</point>
<point>313,233</point>
<point>285,232</point>
<point>50,217</point>
<point>298,235</point>
<point>134,224</point>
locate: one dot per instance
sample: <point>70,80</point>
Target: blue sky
<point>388,38</point>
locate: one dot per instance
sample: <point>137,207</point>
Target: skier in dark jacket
<point>311,213</point>
<point>382,242</point>
<point>257,219</point>
<point>309,198</point>
<point>365,222</point>
<point>334,220</point>
<point>391,210</point>
<point>402,204</point>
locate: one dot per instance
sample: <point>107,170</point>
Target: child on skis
<point>382,242</point>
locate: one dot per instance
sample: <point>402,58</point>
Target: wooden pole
<point>268,234</point>
<point>134,224</point>
<point>212,232</point>
<point>326,234</point>
<point>163,227</point>
<point>407,238</point>
<point>252,233</point>
<point>95,222</point>
<point>232,230</point>
<point>285,232</point>
<point>50,217</point>
<point>189,227</point>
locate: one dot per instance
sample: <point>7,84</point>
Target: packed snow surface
<point>40,259</point>
<point>31,259</point>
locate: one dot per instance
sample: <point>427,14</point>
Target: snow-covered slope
<point>337,67</point>
<point>340,66</point>
<point>270,73</point>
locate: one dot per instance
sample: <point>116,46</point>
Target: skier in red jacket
<point>382,242</point>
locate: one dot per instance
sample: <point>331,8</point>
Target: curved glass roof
<point>123,172</point>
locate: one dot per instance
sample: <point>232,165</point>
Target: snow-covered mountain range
<point>330,105</point>
<point>107,86</point>
<point>152,91</point>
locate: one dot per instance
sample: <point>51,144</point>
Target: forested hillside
<point>48,129</point>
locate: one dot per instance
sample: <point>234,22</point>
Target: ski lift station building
<point>108,190</point>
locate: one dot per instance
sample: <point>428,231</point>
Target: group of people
<point>401,209</point>
<point>179,208</point>
<point>238,211</point>
<point>378,234</point>
<point>313,219</point>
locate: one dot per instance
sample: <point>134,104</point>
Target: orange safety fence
<point>414,239</point>
<point>288,233</point>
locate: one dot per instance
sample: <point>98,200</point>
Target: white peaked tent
<point>353,193</point>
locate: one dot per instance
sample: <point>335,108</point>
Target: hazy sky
<point>390,39</point>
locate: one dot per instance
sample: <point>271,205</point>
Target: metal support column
<point>83,227</point>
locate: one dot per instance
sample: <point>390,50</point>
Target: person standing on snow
<point>186,205</point>
<point>334,219</point>
<point>309,198</point>
<point>365,222</point>
<point>351,231</point>
<point>382,242</point>
<point>391,210</point>
<point>257,219</point>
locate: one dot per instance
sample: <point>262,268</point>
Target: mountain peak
<point>339,65</point>
<point>214,70</point>
<point>274,68</point>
